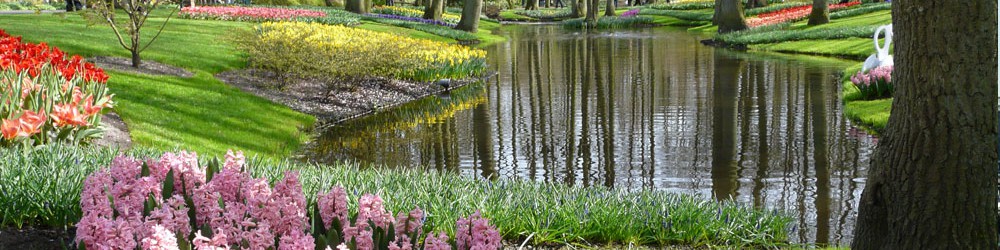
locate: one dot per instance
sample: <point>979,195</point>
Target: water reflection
<point>647,109</point>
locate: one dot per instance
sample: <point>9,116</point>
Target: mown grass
<point>42,187</point>
<point>200,113</point>
<point>861,10</point>
<point>611,22</point>
<point>696,15</point>
<point>854,48</point>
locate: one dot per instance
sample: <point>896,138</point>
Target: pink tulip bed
<point>250,14</point>
<point>790,14</point>
<point>175,203</point>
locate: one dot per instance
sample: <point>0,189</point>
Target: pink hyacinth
<point>333,205</point>
<point>161,239</point>
<point>364,240</point>
<point>475,232</point>
<point>291,203</point>
<point>295,241</point>
<point>172,215</point>
<point>402,243</point>
<point>185,167</point>
<point>234,160</point>
<point>437,243</point>
<point>371,207</point>
<point>410,223</point>
<point>217,242</point>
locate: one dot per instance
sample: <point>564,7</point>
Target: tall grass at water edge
<point>41,187</point>
<point>776,33</point>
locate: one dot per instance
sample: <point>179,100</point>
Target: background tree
<point>531,4</point>
<point>592,9</point>
<point>470,16</point>
<point>356,6</point>
<point>609,8</point>
<point>729,16</point>
<point>578,8</point>
<point>820,13</point>
<point>129,36</point>
<point>756,3</point>
<point>933,181</point>
<point>434,9</point>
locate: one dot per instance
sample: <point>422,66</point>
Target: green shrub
<point>277,2</point>
<point>860,10</point>
<point>42,187</point>
<point>546,13</point>
<point>683,6</point>
<point>429,28</point>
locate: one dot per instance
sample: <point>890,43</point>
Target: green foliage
<point>429,28</point>
<point>42,187</point>
<point>770,35</point>
<point>611,22</point>
<point>683,6</point>
<point>683,15</point>
<point>334,16</point>
<point>860,10</point>
<point>277,2</point>
<point>773,8</point>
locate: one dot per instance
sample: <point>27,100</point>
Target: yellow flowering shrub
<point>297,49</point>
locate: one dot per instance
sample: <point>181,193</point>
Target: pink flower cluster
<point>174,201</point>
<point>790,14</point>
<point>875,84</point>
<point>252,14</point>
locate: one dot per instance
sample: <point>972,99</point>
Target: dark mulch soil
<point>333,100</point>
<point>115,132</point>
<point>148,67</point>
<point>35,238</point>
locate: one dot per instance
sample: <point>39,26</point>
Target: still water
<point>640,109</point>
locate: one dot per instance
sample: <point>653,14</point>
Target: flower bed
<point>252,14</point>
<point>790,14</point>
<point>875,84</point>
<point>45,97</point>
<point>176,203</point>
<point>631,13</point>
<point>296,49</point>
<point>413,19</point>
<point>401,11</point>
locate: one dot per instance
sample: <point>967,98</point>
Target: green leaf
<point>168,184</point>
<point>145,170</point>
<point>213,168</point>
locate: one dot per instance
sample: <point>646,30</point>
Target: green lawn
<point>870,113</point>
<point>200,113</point>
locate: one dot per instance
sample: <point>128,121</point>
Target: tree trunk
<point>820,13</point>
<point>592,13</point>
<point>330,3</point>
<point>933,181</point>
<point>609,8</point>
<point>579,8</point>
<point>356,6</point>
<point>729,16</point>
<point>433,11</point>
<point>756,4</point>
<point>470,16</point>
<point>418,3</point>
<point>136,60</point>
<point>531,5</point>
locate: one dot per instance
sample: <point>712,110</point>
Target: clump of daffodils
<point>176,203</point>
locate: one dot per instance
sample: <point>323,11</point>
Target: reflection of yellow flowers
<point>344,51</point>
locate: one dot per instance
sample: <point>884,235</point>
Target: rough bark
<point>609,9</point>
<point>470,16</point>
<point>933,181</point>
<point>820,13</point>
<point>729,16</point>
<point>756,4</point>
<point>434,10</point>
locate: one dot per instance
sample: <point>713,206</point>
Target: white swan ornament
<point>881,57</point>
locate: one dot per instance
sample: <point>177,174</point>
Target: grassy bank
<point>44,189</point>
<point>870,113</point>
<point>164,112</point>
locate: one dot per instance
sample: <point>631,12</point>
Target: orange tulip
<point>9,129</point>
<point>31,122</point>
<point>67,115</point>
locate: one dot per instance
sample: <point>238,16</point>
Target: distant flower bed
<point>46,97</point>
<point>306,50</point>
<point>409,12</point>
<point>545,13</point>
<point>790,14</point>
<point>631,13</point>
<point>252,14</point>
<point>875,84</point>
<point>413,19</point>
<point>175,203</point>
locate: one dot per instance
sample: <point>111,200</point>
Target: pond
<point>639,109</point>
